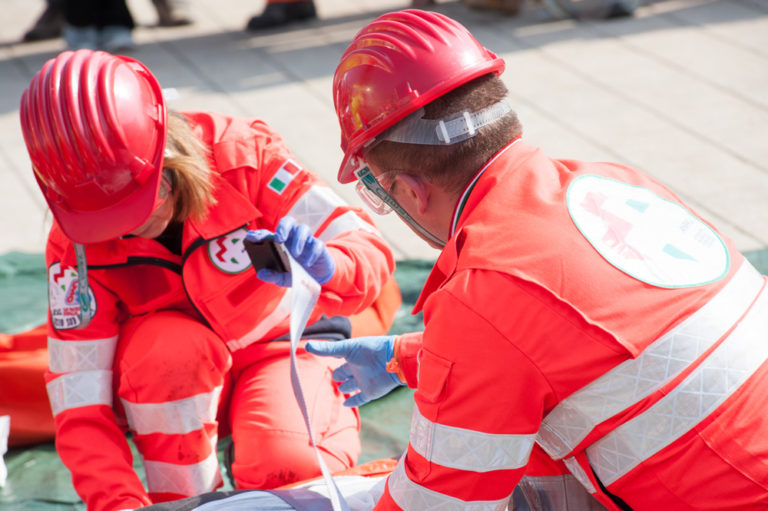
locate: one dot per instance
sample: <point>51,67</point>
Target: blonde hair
<point>186,170</point>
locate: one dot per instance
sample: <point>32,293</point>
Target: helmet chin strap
<point>369,180</point>
<point>83,291</point>
<point>416,226</point>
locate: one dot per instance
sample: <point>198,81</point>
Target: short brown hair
<point>452,166</point>
<point>186,169</point>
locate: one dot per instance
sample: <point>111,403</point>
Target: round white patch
<point>228,252</point>
<point>654,240</point>
<point>63,299</point>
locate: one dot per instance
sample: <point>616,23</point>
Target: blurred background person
<point>51,22</point>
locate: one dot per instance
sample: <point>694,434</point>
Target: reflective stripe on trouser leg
<point>182,479</point>
<point>171,369</point>
<point>410,495</point>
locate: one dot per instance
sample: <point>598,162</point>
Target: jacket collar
<point>231,210</point>
<point>506,160</point>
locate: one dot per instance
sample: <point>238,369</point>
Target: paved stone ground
<point>679,90</point>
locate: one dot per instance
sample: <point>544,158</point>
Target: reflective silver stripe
<point>274,318</point>
<point>465,449</point>
<point>347,222</point>
<point>173,417</point>
<point>632,381</point>
<point>83,388</point>
<point>187,480</point>
<point>579,473</point>
<point>315,206</point>
<point>707,387</point>
<point>409,495</point>
<point>71,356</point>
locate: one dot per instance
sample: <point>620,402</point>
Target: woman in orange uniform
<point>158,324</point>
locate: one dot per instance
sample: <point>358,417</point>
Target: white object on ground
<point>5,431</point>
<point>361,493</point>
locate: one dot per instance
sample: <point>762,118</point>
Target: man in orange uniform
<point>577,309</point>
<point>158,322</point>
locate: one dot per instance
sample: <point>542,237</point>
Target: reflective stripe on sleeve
<point>347,222</point>
<point>78,389</point>
<point>409,495</point>
<point>707,387</point>
<point>634,380</point>
<point>466,449</point>
<point>173,417</point>
<point>71,356</point>
<point>315,206</point>
<point>187,480</point>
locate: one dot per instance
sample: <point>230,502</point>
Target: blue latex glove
<point>308,251</point>
<point>365,369</point>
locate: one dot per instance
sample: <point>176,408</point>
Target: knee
<point>273,461</point>
<point>166,352</point>
<point>279,458</point>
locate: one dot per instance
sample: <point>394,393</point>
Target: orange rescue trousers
<point>258,407</point>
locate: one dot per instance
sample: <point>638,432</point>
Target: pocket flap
<point>433,373</point>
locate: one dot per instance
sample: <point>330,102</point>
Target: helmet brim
<point>127,215</point>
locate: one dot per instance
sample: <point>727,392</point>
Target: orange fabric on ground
<point>23,360</point>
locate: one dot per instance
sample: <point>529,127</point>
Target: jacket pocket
<point>433,376</point>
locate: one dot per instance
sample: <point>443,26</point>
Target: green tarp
<point>38,481</point>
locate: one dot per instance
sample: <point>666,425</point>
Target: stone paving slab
<point>679,90</point>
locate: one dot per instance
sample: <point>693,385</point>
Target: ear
<point>416,190</point>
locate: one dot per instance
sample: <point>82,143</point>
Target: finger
<point>356,400</point>
<point>338,349</point>
<point>298,241</point>
<point>342,373</point>
<point>284,228</point>
<point>313,250</point>
<point>349,386</point>
<point>258,235</point>
<point>280,278</point>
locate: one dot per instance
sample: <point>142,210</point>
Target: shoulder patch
<point>62,297</point>
<point>283,177</point>
<point>650,238</point>
<point>228,253</point>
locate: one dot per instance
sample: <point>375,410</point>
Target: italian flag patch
<point>283,177</point>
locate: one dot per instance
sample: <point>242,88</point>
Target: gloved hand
<point>308,251</point>
<point>365,369</point>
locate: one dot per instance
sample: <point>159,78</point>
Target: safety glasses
<point>374,190</point>
<point>164,190</point>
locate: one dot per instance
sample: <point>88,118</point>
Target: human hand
<point>365,369</point>
<point>308,251</point>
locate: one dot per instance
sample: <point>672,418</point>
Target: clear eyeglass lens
<point>372,200</point>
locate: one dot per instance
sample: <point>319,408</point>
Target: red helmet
<point>95,126</point>
<point>398,63</point>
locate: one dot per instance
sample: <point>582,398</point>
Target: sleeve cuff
<point>405,360</point>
